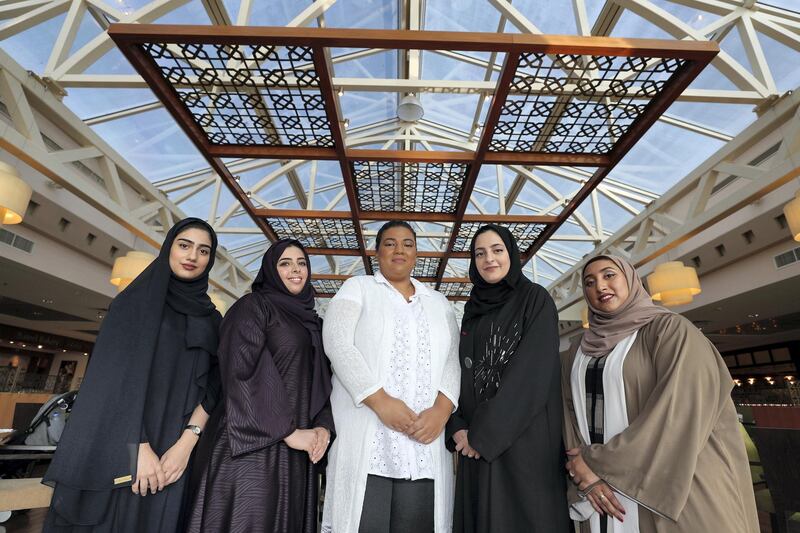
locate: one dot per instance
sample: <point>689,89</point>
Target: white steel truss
<point>91,169</point>
<point>756,162</point>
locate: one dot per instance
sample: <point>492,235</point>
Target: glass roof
<point>104,90</point>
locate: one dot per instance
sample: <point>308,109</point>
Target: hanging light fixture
<point>792,213</point>
<point>14,195</point>
<point>218,302</point>
<point>673,284</point>
<point>410,108</point>
<point>585,317</point>
<point>127,267</point>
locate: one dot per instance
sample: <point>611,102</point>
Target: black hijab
<point>301,307</point>
<point>486,297</point>
<point>99,447</point>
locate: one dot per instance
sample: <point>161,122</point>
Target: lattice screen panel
<point>250,95</point>
<point>577,104</point>
<point>408,187</point>
<point>326,287</point>
<point>317,232</point>
<point>451,289</point>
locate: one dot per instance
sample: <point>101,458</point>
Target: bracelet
<point>583,494</point>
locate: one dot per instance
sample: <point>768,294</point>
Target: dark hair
<point>394,224</point>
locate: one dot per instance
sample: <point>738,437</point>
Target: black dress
<point>511,406</point>
<point>252,481</point>
<point>153,363</point>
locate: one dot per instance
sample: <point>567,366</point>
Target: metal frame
<point>581,59</point>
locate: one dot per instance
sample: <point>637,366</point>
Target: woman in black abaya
<point>507,429</point>
<point>266,440</point>
<point>151,382</point>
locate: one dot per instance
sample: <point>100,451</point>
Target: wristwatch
<point>194,429</point>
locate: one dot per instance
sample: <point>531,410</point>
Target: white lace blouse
<point>360,335</point>
<point>394,454</point>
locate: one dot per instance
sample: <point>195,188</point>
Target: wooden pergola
<point>267,92</point>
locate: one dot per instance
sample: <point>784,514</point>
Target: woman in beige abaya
<point>651,431</point>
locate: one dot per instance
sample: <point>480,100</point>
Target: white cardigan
<point>357,334</point>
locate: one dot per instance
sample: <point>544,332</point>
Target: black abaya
<point>153,363</point>
<point>251,481</point>
<point>510,404</point>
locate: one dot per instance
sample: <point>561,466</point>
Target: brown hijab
<point>608,329</point>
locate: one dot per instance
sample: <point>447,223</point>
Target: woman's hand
<point>599,494</point>
<point>430,424</point>
<point>394,413</point>
<point>462,445</point>
<point>174,461</point>
<point>303,440</point>
<point>323,439</point>
<point>148,471</point>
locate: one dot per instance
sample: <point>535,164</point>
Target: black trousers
<point>397,506</point>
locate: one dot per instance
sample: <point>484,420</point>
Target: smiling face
<point>491,257</point>
<point>605,285</point>
<point>397,253</point>
<point>293,269</point>
<point>190,253</point>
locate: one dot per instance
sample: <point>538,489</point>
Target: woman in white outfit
<point>393,345</point>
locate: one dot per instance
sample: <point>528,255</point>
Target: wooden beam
<point>417,40</point>
<point>322,64</point>
<point>252,151</point>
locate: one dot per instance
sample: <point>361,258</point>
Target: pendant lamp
<point>673,284</point>
<point>14,195</point>
<point>127,267</point>
<point>585,317</point>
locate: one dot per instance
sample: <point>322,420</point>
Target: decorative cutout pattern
<point>525,234</point>
<point>248,94</point>
<point>408,187</point>
<point>317,232</point>
<point>326,286</point>
<point>577,104</point>
<point>455,289</point>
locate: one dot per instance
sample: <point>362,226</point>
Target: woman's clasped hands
<point>312,441</point>
<point>594,489</point>
<point>424,427</point>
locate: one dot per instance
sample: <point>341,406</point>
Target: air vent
<point>12,239</point>
<point>6,237</point>
<point>113,251</point>
<point>787,258</point>
<point>749,236</point>
<point>780,220</point>
<point>32,206</point>
<point>696,261</point>
<point>90,237</point>
<point>23,244</point>
<point>720,248</point>
<point>63,224</point>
